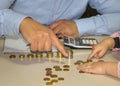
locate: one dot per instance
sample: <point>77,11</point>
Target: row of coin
<point>41,55</point>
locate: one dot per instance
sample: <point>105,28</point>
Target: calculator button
<point>91,42</point>
<point>94,42</point>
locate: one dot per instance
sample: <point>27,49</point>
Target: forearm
<point>98,25</point>
<point>111,68</point>
<point>9,22</point>
<point>105,23</point>
<point>109,43</point>
<point>5,4</point>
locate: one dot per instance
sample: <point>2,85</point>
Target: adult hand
<point>40,37</point>
<point>65,28</point>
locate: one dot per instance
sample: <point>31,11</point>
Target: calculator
<point>80,42</point>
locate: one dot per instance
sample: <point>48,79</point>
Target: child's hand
<point>100,67</point>
<point>93,67</point>
<point>100,49</point>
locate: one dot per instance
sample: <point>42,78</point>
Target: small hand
<point>93,67</point>
<point>100,67</point>
<point>100,49</point>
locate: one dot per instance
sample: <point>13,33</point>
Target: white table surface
<point>31,73</point>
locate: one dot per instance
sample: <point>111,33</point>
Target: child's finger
<point>100,54</point>
<point>92,54</point>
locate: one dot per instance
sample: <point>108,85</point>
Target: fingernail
<point>66,54</point>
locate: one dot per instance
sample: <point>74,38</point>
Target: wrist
<point>111,68</point>
<point>109,43</point>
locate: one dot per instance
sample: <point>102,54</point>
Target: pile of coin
<point>80,62</point>
<point>52,78</point>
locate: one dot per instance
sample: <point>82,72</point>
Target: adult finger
<point>48,44</point>
<point>59,45</point>
<point>54,25</point>
<point>34,46</point>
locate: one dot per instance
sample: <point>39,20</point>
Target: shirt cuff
<point>85,26</point>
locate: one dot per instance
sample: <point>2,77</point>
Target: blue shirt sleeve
<point>4,4</point>
<point>106,23</point>
<point>6,16</point>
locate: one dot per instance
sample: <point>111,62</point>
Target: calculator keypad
<point>80,42</point>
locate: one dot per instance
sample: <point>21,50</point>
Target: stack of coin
<point>30,56</point>
<point>22,57</point>
<point>59,55</point>
<point>70,53</point>
<point>39,55</point>
<point>49,55</point>
<point>12,57</point>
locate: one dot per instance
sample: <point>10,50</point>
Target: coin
<point>54,81</point>
<point>65,69</point>
<point>70,53</point>
<point>12,57</point>
<point>46,79</point>
<point>39,55</point>
<point>66,66</point>
<point>49,83</point>
<point>59,55</point>
<point>79,62</point>
<point>49,54</point>
<point>54,76</point>
<point>48,73</point>
<point>48,69</point>
<point>89,60</point>
<point>60,78</point>
<point>58,69</point>
<point>21,57</point>
<point>30,56</point>
<point>56,66</point>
